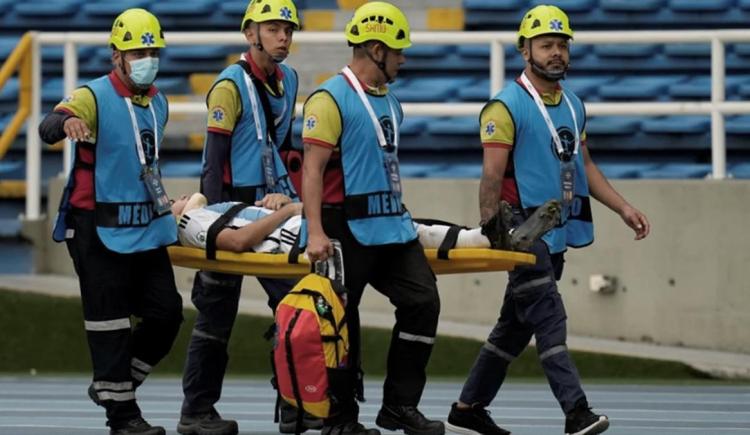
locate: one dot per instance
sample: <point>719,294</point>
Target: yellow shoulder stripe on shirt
<point>469,260</point>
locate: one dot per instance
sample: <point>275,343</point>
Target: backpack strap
<point>219,225</point>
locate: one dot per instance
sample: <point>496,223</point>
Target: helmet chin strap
<point>542,73</point>
<point>380,64</point>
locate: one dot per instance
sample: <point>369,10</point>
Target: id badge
<point>393,174</point>
<point>157,193</point>
<point>567,181</point>
<point>269,169</point>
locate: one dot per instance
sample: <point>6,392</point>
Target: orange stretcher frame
<point>469,260</point>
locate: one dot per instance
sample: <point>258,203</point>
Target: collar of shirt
<point>379,91</point>
<point>123,91</point>
<point>549,98</point>
<point>260,73</point>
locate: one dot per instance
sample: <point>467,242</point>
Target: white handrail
<point>716,107</point>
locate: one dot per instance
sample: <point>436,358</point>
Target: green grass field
<point>46,334</point>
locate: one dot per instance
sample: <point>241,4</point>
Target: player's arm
<point>497,134</point>
<point>71,118</point>
<point>244,238</point>
<point>223,110</point>
<point>322,129</point>
<point>603,192</point>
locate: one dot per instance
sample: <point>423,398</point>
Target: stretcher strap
<point>218,225</point>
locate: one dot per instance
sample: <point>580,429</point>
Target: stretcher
<point>469,260</point>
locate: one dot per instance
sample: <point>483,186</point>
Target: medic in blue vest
<point>115,218</point>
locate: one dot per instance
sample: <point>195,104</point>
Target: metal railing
<point>717,107</point>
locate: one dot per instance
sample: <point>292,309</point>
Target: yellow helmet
<point>379,21</point>
<point>136,28</point>
<point>269,10</point>
<point>544,20</point>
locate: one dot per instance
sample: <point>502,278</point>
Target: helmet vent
<point>266,9</point>
<point>127,37</point>
<point>400,34</point>
<point>354,30</point>
<point>536,24</point>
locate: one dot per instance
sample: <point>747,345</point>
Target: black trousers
<point>115,287</point>
<point>401,273</point>
<point>216,296</point>
<point>532,306</point>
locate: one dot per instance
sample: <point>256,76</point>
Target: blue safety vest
<point>246,157</point>
<point>374,213</point>
<point>123,210</point>
<point>537,165</point>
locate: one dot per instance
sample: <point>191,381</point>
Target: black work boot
<point>288,419</point>
<point>544,218</point>
<point>497,228</point>
<point>209,423</point>
<point>474,420</point>
<point>409,419</point>
<point>351,428</point>
<point>582,421</point>
<point>137,426</point>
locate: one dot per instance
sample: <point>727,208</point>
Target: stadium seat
<point>677,171</point>
<point>9,92</point>
<point>688,50</point>
<point>700,5</point>
<point>739,125</point>
<point>638,88</point>
<point>477,91</point>
<point>699,87</point>
<point>455,126</point>
<point>414,125</point>
<point>624,170</point>
<point>586,86</point>
<point>741,170</point>
<point>459,170</point>
<point>626,50</point>
<point>613,125</point>
<point>173,85</point>
<point>431,89</point>
<point>744,4</point>
<point>48,9</point>
<point>631,6</point>
<point>428,51</point>
<point>677,125</point>
<point>195,8</point>
<point>495,5</point>
<point>7,45</point>
<point>109,10</point>
<point>419,170</point>
<point>180,169</point>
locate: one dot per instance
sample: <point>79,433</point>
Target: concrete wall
<point>680,286</point>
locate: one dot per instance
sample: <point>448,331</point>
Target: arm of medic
<point>319,246</point>
<point>70,118</point>
<point>603,192</point>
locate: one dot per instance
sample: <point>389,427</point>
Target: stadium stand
<point>629,147</point>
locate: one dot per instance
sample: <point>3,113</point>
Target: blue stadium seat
<point>106,9</point>
<point>739,125</point>
<point>624,170</point>
<point>48,9</point>
<point>688,50</point>
<point>201,52</point>
<point>235,8</point>
<point>700,5</point>
<point>181,8</point>
<point>631,6</point>
<point>741,170</point>
<point>7,45</point>
<point>12,170</point>
<point>569,6</point>
<point>586,86</point>
<point>455,126</point>
<point>744,4</point>
<point>414,125</point>
<point>613,125</point>
<point>477,91</point>
<point>677,171</point>
<point>677,125</point>
<point>639,88</point>
<point>320,4</point>
<point>173,85</point>
<point>6,5</point>
<point>174,169</point>
<point>428,51</point>
<point>458,170</point>
<point>495,5</point>
<point>431,89</point>
<point>419,170</point>
<point>9,92</point>
<point>626,50</point>
<point>699,87</point>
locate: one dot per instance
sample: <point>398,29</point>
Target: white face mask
<point>143,71</point>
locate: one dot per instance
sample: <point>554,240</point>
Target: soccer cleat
<point>544,218</point>
<point>288,419</point>
<point>497,228</point>
<point>473,421</point>
<point>581,421</point>
<point>209,423</point>
<point>351,428</point>
<point>137,426</point>
<point>409,419</point>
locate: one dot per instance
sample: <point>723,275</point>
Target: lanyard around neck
<point>137,132</point>
<point>256,111</point>
<point>547,120</point>
<point>375,123</point>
